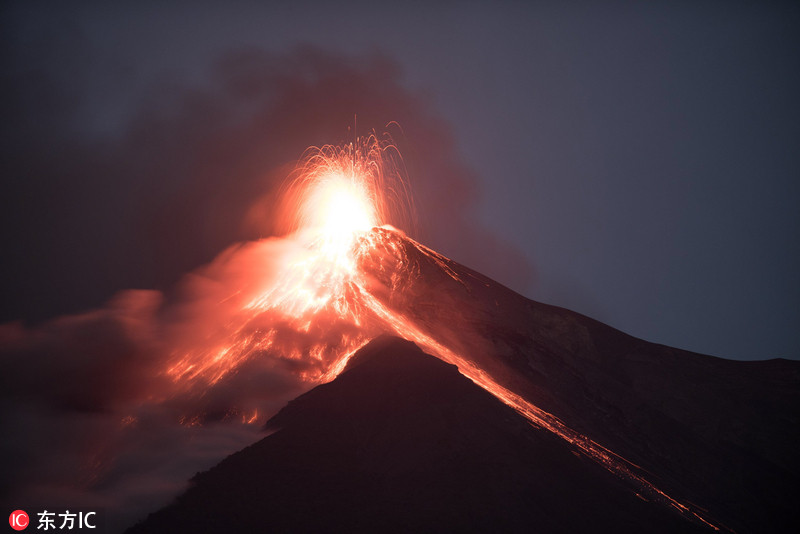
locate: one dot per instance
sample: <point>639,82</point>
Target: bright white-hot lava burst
<point>322,305</point>
<point>315,311</point>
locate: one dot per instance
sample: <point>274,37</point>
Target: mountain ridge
<point>716,432</point>
<point>402,442</point>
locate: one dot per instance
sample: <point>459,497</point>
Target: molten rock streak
<point>347,280</point>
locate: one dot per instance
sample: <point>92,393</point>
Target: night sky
<point>637,163</point>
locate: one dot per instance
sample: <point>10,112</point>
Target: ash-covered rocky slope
<point>719,433</point>
<point>401,442</point>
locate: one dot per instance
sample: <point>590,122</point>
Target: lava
<point>313,310</point>
<point>324,304</point>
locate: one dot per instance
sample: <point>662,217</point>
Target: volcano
<point>506,414</point>
<point>402,442</point>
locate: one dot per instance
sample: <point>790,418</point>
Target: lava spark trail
<point>537,417</point>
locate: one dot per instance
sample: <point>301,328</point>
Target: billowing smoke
<point>90,416</point>
<point>92,419</point>
<point>195,170</point>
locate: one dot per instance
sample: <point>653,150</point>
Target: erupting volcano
<point>319,293</point>
<point>656,419</point>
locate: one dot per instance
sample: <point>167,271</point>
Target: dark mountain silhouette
<point>719,433</point>
<point>401,442</point>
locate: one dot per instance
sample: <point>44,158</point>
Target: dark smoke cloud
<point>86,217</point>
<point>83,409</point>
<point>91,418</point>
<point>78,358</point>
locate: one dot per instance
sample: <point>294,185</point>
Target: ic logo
<point>18,520</point>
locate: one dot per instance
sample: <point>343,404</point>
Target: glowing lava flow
<point>311,312</point>
<point>321,307</point>
<point>334,199</point>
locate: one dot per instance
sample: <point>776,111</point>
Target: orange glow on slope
<point>319,309</point>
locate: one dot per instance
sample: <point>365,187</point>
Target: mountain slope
<point>402,442</point>
<point>719,433</point>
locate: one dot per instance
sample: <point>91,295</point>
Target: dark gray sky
<point>643,157</point>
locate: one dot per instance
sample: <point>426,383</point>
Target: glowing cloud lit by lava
<point>312,308</point>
